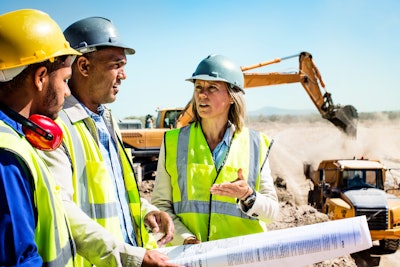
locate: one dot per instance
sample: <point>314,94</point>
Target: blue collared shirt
<point>109,150</point>
<point>220,151</point>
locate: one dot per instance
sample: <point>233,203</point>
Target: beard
<point>51,105</point>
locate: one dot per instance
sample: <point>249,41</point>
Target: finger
<point>168,227</point>
<point>167,237</point>
<point>240,174</point>
<point>152,222</point>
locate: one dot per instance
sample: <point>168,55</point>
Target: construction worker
<point>97,175</point>
<point>213,176</point>
<point>35,62</point>
<point>149,121</point>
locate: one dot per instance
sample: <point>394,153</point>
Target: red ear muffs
<point>42,132</point>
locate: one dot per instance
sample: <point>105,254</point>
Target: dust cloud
<point>299,142</point>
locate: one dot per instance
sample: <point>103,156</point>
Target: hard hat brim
<point>91,48</point>
<point>205,77</point>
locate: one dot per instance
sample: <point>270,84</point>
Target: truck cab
<point>345,188</point>
<point>167,118</point>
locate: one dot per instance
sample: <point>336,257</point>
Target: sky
<point>354,43</point>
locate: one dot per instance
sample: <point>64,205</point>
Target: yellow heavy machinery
<point>344,117</point>
<point>145,143</point>
<point>345,188</point>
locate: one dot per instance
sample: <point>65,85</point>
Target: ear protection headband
<point>40,131</point>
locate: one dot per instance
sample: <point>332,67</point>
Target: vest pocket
<point>100,187</point>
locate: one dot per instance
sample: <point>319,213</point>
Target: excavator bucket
<point>345,118</point>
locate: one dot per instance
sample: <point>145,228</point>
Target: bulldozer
<point>145,144</point>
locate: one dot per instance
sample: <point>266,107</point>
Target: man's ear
<point>82,63</point>
<point>40,77</point>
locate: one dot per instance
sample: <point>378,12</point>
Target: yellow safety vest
<point>93,185</point>
<point>52,234</point>
<point>191,167</point>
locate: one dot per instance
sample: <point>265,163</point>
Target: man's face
<point>105,74</point>
<point>55,90</point>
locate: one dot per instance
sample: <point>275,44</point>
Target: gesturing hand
<point>236,189</point>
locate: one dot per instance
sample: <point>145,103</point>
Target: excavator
<point>343,117</point>
<point>144,144</point>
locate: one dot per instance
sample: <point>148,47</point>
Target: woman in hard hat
<point>213,176</point>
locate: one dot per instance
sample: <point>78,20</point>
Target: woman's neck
<point>214,132</point>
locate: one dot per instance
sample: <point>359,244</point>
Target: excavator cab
<point>343,117</point>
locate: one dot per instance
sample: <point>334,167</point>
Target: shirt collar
<point>100,110</point>
<point>230,130</point>
<point>12,123</point>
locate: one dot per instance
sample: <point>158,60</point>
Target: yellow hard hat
<point>29,36</point>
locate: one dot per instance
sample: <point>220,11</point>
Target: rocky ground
<point>298,141</point>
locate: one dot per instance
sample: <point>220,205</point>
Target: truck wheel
<point>314,198</point>
<point>389,245</point>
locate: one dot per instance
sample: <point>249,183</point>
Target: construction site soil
<point>304,139</point>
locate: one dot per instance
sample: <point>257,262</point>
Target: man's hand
<point>191,240</point>
<point>160,222</point>
<point>236,189</point>
<point>155,258</point>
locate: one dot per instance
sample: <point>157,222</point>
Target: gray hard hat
<point>87,34</point>
<point>219,68</point>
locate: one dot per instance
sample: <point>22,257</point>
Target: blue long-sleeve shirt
<point>17,213</point>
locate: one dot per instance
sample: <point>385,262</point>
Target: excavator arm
<point>343,117</point>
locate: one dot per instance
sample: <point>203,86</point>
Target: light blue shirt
<point>109,150</point>
<point>221,150</point>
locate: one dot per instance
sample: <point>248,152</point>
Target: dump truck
<point>344,188</point>
<point>144,144</point>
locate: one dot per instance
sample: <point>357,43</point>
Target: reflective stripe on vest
<point>186,205</point>
<point>77,152</point>
<point>52,236</point>
<point>191,167</point>
<point>93,181</point>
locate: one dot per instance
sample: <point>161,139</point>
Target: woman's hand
<point>237,189</point>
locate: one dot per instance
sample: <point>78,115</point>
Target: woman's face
<point>212,99</point>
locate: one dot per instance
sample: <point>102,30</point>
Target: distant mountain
<point>267,111</point>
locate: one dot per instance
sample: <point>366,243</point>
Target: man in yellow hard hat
<point>35,63</point>
<point>92,166</point>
